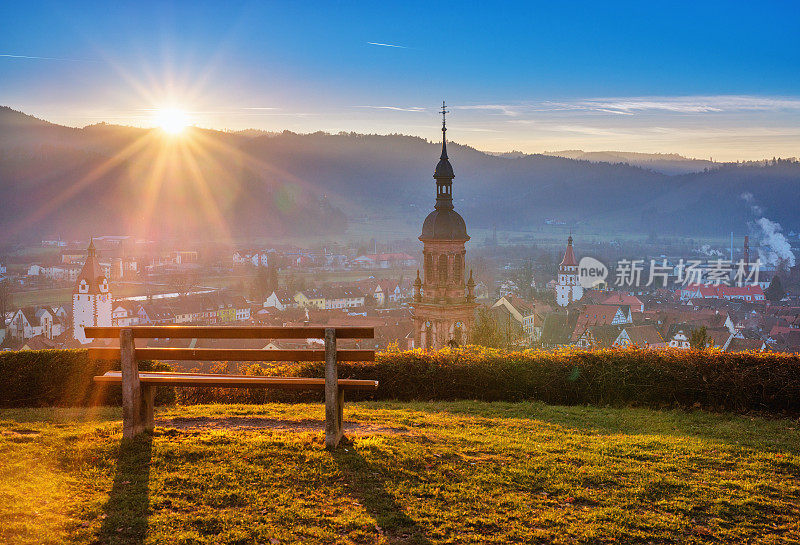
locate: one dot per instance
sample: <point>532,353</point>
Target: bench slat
<point>222,332</point>
<point>223,354</point>
<point>237,381</point>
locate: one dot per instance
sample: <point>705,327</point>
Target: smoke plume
<point>773,248</point>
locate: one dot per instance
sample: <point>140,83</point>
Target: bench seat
<point>237,381</point>
<point>138,389</point>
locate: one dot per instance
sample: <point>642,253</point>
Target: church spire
<point>444,112</point>
<point>444,171</point>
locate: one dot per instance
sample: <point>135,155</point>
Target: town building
<point>444,303</point>
<point>91,298</point>
<point>568,286</point>
<point>48,322</point>
<point>310,298</point>
<point>521,311</point>
<point>338,297</point>
<point>280,300</point>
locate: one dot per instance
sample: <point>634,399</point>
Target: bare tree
<point>182,283</point>
<point>5,300</point>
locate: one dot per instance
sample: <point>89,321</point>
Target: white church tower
<point>91,298</point>
<point>568,286</point>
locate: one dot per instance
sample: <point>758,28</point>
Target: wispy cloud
<point>387,45</point>
<point>9,56</point>
<point>505,109</point>
<point>629,106</point>
<point>682,104</point>
<point>395,108</point>
<point>585,129</point>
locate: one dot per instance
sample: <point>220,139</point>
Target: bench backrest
<point>133,416</point>
<point>223,354</point>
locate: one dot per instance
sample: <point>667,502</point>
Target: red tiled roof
<point>569,256</point>
<point>92,272</point>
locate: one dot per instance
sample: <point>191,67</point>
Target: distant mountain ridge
<point>109,178</point>
<point>667,163</point>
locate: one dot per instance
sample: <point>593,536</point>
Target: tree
<point>5,301</point>
<point>182,283</point>
<point>295,283</point>
<point>699,338</point>
<point>272,278</point>
<point>525,279</point>
<point>493,333</point>
<point>485,331</point>
<point>259,288</point>
<point>775,291</point>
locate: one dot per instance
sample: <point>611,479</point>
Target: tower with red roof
<point>91,297</point>
<point>568,286</point>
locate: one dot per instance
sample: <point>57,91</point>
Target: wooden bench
<point>138,389</point>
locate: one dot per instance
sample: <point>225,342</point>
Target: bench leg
<point>148,406</point>
<point>340,414</point>
<point>332,428</point>
<point>131,388</point>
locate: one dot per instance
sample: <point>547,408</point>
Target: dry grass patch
<point>458,472</point>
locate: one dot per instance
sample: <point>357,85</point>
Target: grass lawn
<point>461,472</point>
<point>45,296</point>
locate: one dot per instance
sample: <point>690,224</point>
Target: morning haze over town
<point>399,273</point>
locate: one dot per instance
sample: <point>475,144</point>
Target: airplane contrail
<point>44,58</point>
<point>387,45</point>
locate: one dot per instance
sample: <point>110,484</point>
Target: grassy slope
<point>459,472</point>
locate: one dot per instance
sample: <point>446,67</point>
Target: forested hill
<point>106,178</point>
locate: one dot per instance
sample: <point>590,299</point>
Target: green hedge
<point>655,378</point>
<point>711,379</point>
<point>39,378</point>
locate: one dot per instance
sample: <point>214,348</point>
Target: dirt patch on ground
<point>256,422</point>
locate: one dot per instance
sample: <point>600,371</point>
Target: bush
<point>63,378</point>
<point>715,380</point>
<point>743,381</point>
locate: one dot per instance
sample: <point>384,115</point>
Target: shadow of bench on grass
<point>369,488</point>
<point>128,507</point>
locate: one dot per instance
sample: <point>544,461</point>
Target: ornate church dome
<point>444,223</point>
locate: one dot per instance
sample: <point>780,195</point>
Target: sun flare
<point>172,120</point>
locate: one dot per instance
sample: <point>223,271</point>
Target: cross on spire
<point>444,111</point>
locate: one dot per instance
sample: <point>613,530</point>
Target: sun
<point>172,120</point>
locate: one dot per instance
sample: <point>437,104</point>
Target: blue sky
<point>719,79</point>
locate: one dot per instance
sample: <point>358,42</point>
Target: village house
<point>522,312</point>
<point>256,258</point>
<point>124,314</point>
<point>280,300</point>
<point>62,273</point>
<point>642,336</point>
<point>337,297</point>
<point>29,322</point>
<point>155,313</point>
<point>702,291</point>
<point>310,298</point>
<point>385,261</point>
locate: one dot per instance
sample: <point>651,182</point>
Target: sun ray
<point>152,188</point>
<point>206,197</point>
<point>92,176</point>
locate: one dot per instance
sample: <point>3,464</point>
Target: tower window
<point>442,268</point>
<point>428,267</point>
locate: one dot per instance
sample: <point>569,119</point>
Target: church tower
<point>568,286</point>
<point>91,298</point>
<point>444,300</point>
